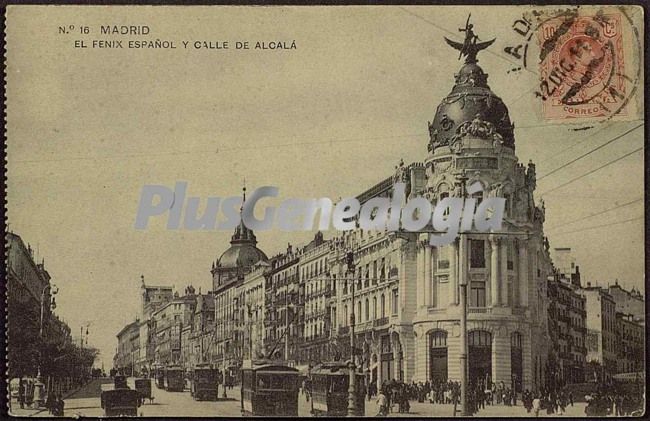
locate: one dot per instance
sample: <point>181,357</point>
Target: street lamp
<point>39,386</point>
<point>462,275</point>
<point>352,404</point>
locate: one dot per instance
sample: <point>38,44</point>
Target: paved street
<point>85,402</point>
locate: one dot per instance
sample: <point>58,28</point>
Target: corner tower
<point>472,137</point>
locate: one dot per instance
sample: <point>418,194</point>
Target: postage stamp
<point>587,71</point>
<point>585,60</point>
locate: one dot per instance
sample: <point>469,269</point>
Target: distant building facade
<point>630,340</point>
<point>567,328</point>
<point>628,302</point>
<point>601,327</point>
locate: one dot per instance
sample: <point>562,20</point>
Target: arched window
<point>367,310</point>
<point>438,356</point>
<point>480,357</point>
<point>383,306</point>
<point>374,307</point>
<point>359,310</point>
<point>345,315</point>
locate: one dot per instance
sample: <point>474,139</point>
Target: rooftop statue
<point>470,47</point>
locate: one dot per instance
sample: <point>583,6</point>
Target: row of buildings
<point>529,322</point>
<point>596,331</point>
<point>39,342</point>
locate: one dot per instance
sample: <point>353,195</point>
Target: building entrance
<point>480,357</point>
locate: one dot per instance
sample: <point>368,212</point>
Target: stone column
<point>420,276</point>
<point>523,274</point>
<point>427,275</point>
<point>494,272</point>
<point>503,284</point>
<point>453,274</point>
<point>501,358</point>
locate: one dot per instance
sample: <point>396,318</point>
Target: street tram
<point>121,400</point>
<point>159,375</point>
<point>329,390</point>
<point>174,378</point>
<point>269,389</point>
<point>204,383</point>
<point>143,386</point>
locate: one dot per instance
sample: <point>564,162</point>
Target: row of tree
<point>61,360</point>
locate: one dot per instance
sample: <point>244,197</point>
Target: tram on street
<point>143,386</point>
<point>329,390</point>
<point>159,375</point>
<point>269,389</point>
<point>204,382</point>
<point>120,400</point>
<point>174,378</point>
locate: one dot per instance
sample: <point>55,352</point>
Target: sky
<point>88,128</point>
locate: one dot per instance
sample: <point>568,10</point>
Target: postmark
<point>583,71</point>
<point>587,60</point>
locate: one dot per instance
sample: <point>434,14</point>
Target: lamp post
<point>225,344</point>
<point>462,275</point>
<point>352,404</point>
<point>39,387</point>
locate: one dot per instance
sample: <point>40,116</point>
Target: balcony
<point>479,310</point>
<point>379,323</point>
<point>344,330</point>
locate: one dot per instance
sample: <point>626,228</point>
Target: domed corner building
<point>406,302</point>
<point>238,259</point>
<point>228,274</point>
<point>506,273</point>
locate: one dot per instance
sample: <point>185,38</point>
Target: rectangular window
<point>395,302</point>
<point>510,261</point>
<point>477,294</point>
<point>366,283</point>
<point>383,269</point>
<point>374,272</point>
<point>477,253</point>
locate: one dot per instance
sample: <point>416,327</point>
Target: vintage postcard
<point>424,211</point>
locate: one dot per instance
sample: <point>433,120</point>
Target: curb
<point>38,411</point>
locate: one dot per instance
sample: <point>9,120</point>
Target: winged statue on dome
<point>469,47</point>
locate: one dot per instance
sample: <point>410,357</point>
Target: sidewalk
<point>17,411</point>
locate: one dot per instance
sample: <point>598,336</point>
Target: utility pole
<point>39,387</point>
<point>286,323</point>
<point>462,277</point>
<point>352,395</point>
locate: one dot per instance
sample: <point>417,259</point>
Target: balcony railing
<point>380,322</point>
<point>479,310</point>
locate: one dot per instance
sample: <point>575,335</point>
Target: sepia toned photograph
<point>341,211</point>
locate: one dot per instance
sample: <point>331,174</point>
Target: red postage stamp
<point>582,67</point>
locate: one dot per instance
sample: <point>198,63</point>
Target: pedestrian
<point>21,393</point>
<point>537,404</point>
<point>571,398</point>
<point>382,403</point>
<point>49,402</point>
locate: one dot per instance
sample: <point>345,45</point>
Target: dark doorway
<point>516,369</point>
<point>438,356</point>
<point>480,357</point>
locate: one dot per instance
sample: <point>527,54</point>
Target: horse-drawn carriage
<point>120,400</point>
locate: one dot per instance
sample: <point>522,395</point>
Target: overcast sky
<point>88,128</point>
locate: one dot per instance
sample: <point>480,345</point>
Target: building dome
<point>243,251</point>
<point>241,256</point>
<point>470,100</point>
